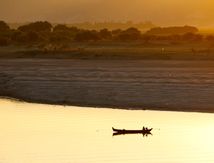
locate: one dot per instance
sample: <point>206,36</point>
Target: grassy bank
<point>110,50</point>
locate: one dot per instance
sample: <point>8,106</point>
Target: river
<point>36,133</point>
<point>139,84</point>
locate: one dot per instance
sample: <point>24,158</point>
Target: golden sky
<point>163,12</point>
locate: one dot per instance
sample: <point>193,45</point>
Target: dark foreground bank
<point>136,84</point>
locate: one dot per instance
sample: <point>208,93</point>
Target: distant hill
<point>172,30</point>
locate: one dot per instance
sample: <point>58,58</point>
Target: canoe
<point>143,131</point>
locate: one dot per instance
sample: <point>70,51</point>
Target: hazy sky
<point>163,12</point>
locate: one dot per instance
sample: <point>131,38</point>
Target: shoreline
<point>136,50</point>
<point>108,107</point>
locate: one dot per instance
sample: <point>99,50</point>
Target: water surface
<point>33,133</point>
<point>168,85</point>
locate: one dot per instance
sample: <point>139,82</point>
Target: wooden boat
<point>123,131</point>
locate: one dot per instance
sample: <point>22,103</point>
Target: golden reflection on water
<point>33,133</point>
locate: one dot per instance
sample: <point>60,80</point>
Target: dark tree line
<point>43,32</point>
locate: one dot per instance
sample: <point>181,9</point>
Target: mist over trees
<point>42,33</point>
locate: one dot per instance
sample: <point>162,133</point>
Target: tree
<point>65,31</point>
<point>32,37</point>
<point>105,34</point>
<point>130,34</point>
<point>5,30</point>
<point>4,26</point>
<point>60,27</point>
<point>5,34</point>
<point>59,38</point>
<point>116,32</point>
<point>87,35</point>
<point>19,37</point>
<point>36,27</point>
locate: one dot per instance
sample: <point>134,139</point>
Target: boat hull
<point>144,131</point>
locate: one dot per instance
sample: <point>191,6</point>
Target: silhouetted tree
<point>33,37</point>
<point>4,26</point>
<point>87,35</point>
<point>30,37</point>
<point>5,31</point>
<point>105,34</point>
<point>42,33</point>
<point>18,37</point>
<point>116,32</point>
<point>65,32</point>
<point>59,38</point>
<point>130,34</point>
<point>60,27</point>
<point>36,27</point>
<point>5,34</point>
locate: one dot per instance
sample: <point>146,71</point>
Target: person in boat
<point>145,128</point>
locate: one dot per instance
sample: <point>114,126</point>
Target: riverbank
<point>135,84</point>
<point>136,50</point>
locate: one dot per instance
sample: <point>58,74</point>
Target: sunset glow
<point>164,12</point>
<point>54,134</point>
<point>117,81</point>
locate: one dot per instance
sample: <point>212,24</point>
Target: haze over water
<point>33,133</point>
